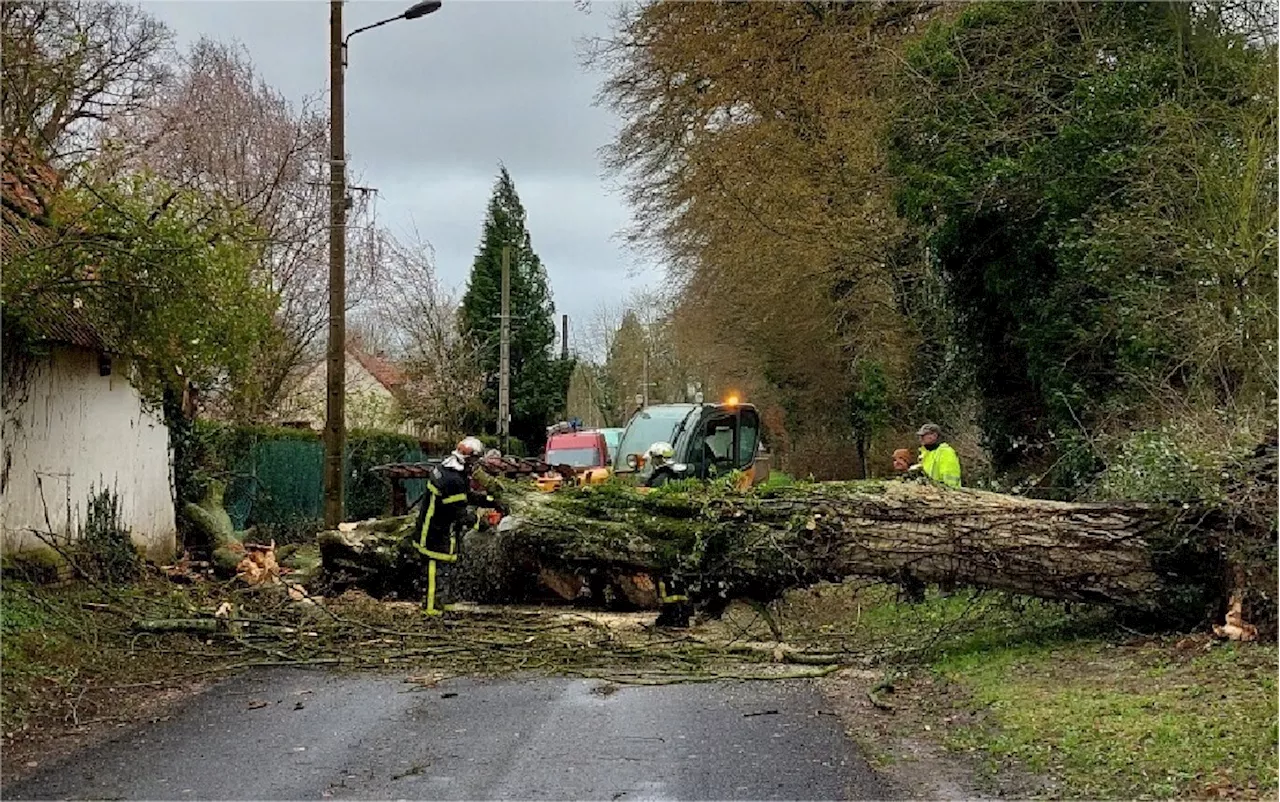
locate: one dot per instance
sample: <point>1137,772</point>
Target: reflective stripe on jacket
<point>444,503</point>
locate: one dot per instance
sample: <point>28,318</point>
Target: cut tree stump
<point>718,545</point>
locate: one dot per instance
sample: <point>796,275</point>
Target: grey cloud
<point>433,105</point>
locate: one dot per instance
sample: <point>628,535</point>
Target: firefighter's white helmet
<point>662,450</point>
<point>465,454</point>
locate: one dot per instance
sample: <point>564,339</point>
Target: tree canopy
<point>165,279</point>
<point>539,381</point>
<point>1097,183</point>
<point>1047,227</point>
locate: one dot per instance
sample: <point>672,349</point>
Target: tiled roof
<point>28,184</point>
<point>68,325</point>
<point>388,375</point>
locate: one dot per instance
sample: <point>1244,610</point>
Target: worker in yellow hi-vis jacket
<point>938,460</point>
<point>444,508</point>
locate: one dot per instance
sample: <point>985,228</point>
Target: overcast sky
<point>434,104</point>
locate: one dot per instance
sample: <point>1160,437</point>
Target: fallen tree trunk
<point>613,541</point>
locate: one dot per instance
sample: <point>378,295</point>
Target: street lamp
<point>335,424</point>
<point>421,9</point>
<point>412,12</point>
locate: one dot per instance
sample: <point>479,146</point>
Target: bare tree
<point>593,337</point>
<point>71,65</point>
<point>218,127</point>
<point>419,318</point>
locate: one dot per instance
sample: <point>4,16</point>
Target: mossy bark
<point>720,545</point>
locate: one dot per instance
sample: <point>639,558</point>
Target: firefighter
<point>674,608</point>
<point>444,514</point>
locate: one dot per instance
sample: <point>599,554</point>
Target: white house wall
<point>69,433</point>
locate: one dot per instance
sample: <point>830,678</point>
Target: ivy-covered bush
<point>1169,464</point>
<point>367,495</point>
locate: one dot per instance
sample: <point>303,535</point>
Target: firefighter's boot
<point>439,589</point>
<point>675,610</point>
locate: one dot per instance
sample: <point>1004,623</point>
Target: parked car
<point>612,438</point>
<point>586,452</point>
<point>577,450</point>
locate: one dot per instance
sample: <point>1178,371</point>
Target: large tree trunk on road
<point>720,545</point>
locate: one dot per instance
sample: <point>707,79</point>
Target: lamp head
<point>421,9</point>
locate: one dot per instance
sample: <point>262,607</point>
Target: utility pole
<point>646,375</point>
<point>335,424</point>
<point>564,336</point>
<point>504,355</point>
<point>335,416</point>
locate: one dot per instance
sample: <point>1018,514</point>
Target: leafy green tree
<point>161,273</point>
<point>1097,185</point>
<point>539,381</point>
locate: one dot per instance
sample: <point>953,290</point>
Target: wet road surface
<point>295,734</point>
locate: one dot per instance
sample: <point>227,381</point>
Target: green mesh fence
<point>277,483</point>
<point>275,477</point>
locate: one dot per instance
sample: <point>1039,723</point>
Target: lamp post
<point>335,424</point>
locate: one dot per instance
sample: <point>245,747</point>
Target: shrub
<point>1164,465</point>
<point>104,551</point>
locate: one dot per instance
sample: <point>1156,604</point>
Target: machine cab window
<point>724,441</point>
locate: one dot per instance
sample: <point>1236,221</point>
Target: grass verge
<point>1064,694</point>
<point>64,651</point>
<point>1152,718</point>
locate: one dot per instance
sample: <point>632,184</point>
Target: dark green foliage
<point>1073,167</point>
<point>539,381</point>
<point>176,285</point>
<point>368,495</point>
<point>104,552</point>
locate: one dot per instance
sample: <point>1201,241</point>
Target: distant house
<point>75,432</point>
<point>375,395</point>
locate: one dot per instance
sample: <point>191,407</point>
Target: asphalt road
<point>292,734</point>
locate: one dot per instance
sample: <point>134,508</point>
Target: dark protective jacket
<point>444,505</point>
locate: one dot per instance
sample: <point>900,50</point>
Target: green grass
<point>38,653</point>
<point>60,647</point>
<point>778,479</point>
<point>1127,721</point>
<point>1065,692</point>
<point>870,617</point>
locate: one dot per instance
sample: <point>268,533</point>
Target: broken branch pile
<point>268,626</point>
